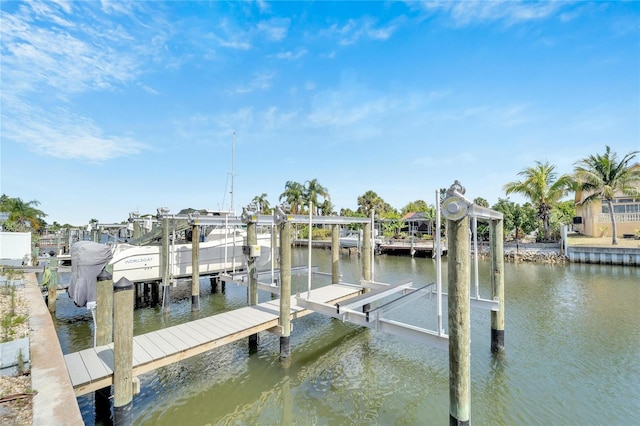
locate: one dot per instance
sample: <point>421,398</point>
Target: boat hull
<point>143,263</point>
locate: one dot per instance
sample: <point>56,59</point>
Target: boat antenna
<point>233,165</point>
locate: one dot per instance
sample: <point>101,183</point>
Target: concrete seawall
<point>604,255</point>
<point>56,403</point>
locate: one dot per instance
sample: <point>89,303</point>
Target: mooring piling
<point>455,210</point>
<point>166,265</point>
<point>497,284</point>
<point>335,253</point>
<point>285,284</point>
<point>252,251</point>
<point>123,352</point>
<point>52,288</point>
<point>104,308</point>
<point>195,268</point>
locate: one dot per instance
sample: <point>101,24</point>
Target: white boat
<point>221,251</point>
<point>353,239</point>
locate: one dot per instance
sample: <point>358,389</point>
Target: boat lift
<point>351,310</point>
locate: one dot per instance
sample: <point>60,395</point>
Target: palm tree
<point>293,195</point>
<point>22,216</point>
<point>542,188</point>
<point>602,176</point>
<point>262,203</point>
<point>313,189</point>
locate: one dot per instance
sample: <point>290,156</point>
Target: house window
<point>629,207</point>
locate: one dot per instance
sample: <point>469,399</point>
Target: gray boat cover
<point>87,261</point>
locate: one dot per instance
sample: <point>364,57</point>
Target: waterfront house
<point>418,224</point>
<point>593,219</point>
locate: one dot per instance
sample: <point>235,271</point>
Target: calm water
<point>572,356</point>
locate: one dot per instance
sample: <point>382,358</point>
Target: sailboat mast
<point>233,165</point>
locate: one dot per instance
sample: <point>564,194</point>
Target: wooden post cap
<point>104,275</point>
<point>122,284</point>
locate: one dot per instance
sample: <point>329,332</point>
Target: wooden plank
<point>140,354</point>
<point>77,370</point>
<point>226,324</point>
<point>189,340</point>
<point>149,346</point>
<point>160,340</point>
<point>244,317</point>
<point>95,366</point>
<point>174,340</point>
<point>208,333</point>
<point>213,321</point>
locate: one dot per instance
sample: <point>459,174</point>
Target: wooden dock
<point>416,248</point>
<point>92,369</point>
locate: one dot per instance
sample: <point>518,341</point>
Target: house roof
<point>415,216</point>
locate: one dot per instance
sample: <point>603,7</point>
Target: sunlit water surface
<point>572,356</point>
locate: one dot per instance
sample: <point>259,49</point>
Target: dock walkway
<point>92,369</point>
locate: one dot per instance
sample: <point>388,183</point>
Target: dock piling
<point>335,254</point>
<point>195,268</point>
<point>104,308</point>
<point>455,210</point>
<point>252,252</point>
<point>165,263</point>
<point>366,259</point>
<point>123,352</point>
<point>285,284</point>
<point>52,288</point>
<point>497,284</point>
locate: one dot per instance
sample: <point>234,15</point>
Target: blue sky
<point>113,107</point>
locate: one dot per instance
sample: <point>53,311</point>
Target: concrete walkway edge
<point>56,403</point>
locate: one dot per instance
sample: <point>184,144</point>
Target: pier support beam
<point>285,288</point>
<point>455,211</point>
<point>195,268</point>
<point>335,254</point>
<point>123,352</point>
<point>497,284</point>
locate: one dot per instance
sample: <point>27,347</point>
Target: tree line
<point>600,176</point>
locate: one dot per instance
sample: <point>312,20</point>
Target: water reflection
<point>572,350</point>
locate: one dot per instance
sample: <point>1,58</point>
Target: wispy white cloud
<point>275,29</point>
<point>356,29</point>
<point>262,81</point>
<point>231,36</point>
<point>507,11</point>
<point>290,55</point>
<point>50,55</point>
<point>63,134</point>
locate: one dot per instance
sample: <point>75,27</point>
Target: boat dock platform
<point>410,248</point>
<point>92,369</point>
